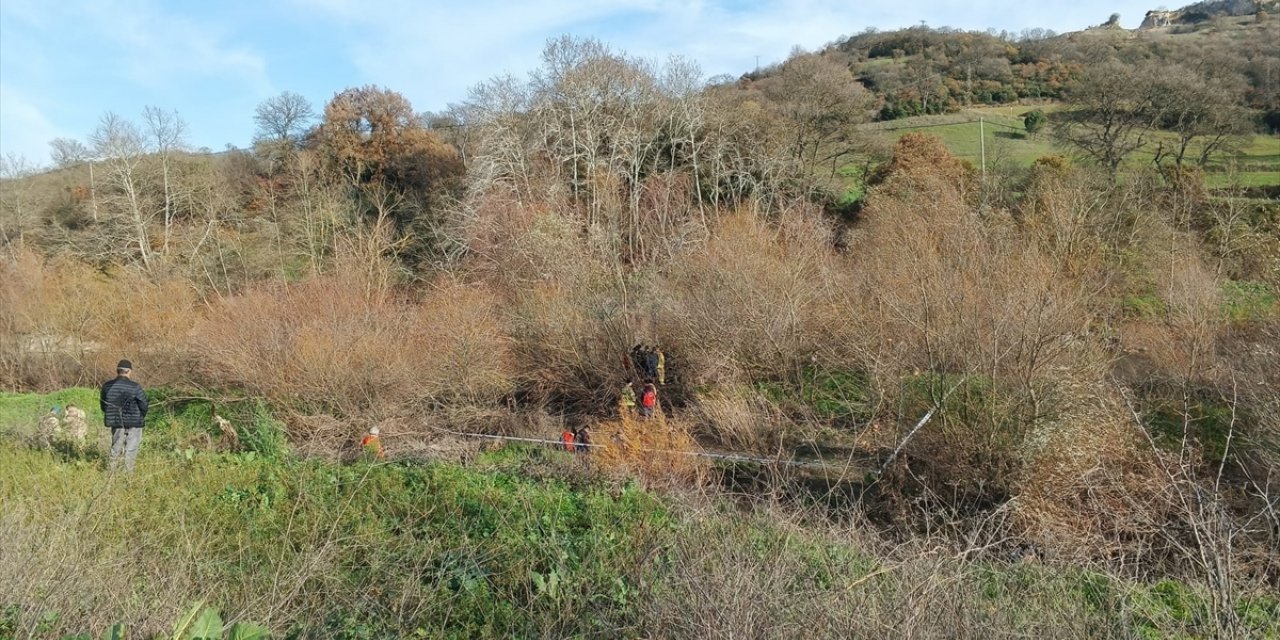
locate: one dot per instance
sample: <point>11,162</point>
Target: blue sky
<point>63,63</point>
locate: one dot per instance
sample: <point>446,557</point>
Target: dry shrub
<point>1255,357</point>
<point>64,323</point>
<point>1067,214</point>
<point>321,435</point>
<point>570,311</point>
<point>1195,304</point>
<point>668,215</point>
<point>469,359</point>
<point>756,302</point>
<point>778,575</point>
<point>959,294</point>
<point>740,419</point>
<point>922,166</point>
<point>519,244</point>
<point>657,449</point>
<point>148,320</point>
<point>1082,219</point>
<point>958,290</point>
<point>340,345</point>
<point>32,345</point>
<point>570,344</point>
<point>1088,492</point>
<point>964,303</point>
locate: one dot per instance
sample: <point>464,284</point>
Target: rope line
<point>702,454</point>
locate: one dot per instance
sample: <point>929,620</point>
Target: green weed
<point>1205,422</point>
<point>519,544</point>
<point>837,395</point>
<point>1144,304</point>
<point>1248,301</point>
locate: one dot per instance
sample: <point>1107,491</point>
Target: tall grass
<point>523,543</point>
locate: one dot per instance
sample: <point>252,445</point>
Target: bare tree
<point>622,133</point>
<point>822,103</point>
<point>16,210</point>
<point>67,152</point>
<point>166,131</point>
<point>1113,113</point>
<point>121,146</point>
<point>1198,109</point>
<point>283,118</point>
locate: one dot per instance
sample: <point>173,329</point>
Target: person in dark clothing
<point>582,438</point>
<point>124,410</point>
<point>651,363</point>
<point>637,358</point>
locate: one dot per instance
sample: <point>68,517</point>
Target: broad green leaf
<point>248,631</point>
<point>116,632</point>
<point>208,626</point>
<point>183,624</point>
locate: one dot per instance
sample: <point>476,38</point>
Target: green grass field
<point>1256,163</point>
<point>521,542</point>
<point>21,412</point>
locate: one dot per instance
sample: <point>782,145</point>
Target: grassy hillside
<point>520,543</point>
<point>1254,163</point>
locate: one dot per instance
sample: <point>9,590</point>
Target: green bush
<point>838,395</point>
<point>1034,121</point>
<point>523,542</point>
<point>21,412</point>
<point>1245,301</point>
<point>1144,304</point>
<point>1207,422</point>
<point>478,549</point>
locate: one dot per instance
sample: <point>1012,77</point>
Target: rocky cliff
<point>1208,10</point>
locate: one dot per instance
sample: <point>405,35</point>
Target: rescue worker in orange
<point>371,445</point>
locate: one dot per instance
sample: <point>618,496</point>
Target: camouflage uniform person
<point>627,401</point>
<point>50,427</point>
<point>230,439</point>
<point>77,425</point>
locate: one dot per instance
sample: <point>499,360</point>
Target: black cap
<point>124,364</point>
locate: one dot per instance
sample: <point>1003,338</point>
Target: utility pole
<point>93,192</point>
<point>982,146</point>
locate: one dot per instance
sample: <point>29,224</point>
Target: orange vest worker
<point>371,445</point>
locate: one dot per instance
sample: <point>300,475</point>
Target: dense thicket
<point>923,70</point>
<point>1100,345</point>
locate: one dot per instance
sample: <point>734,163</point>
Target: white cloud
<point>158,48</point>
<point>73,59</point>
<point>76,59</point>
<point>433,51</point>
<point>135,41</point>
<point>24,129</point>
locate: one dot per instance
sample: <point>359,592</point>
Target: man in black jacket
<point>124,409</point>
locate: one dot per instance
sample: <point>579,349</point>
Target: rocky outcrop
<point>1208,10</point>
<point>1157,19</point>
